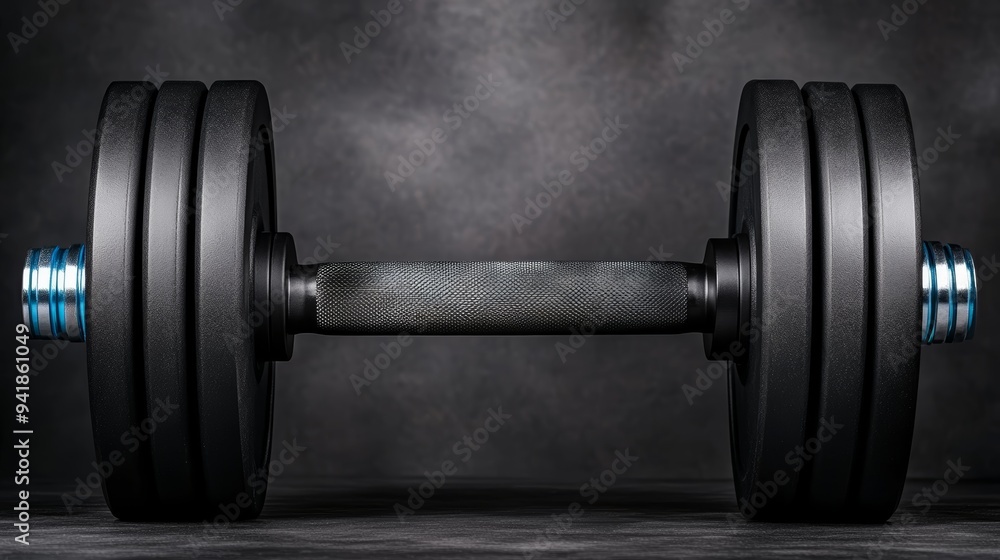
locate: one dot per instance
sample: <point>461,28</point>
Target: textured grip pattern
<point>490,298</point>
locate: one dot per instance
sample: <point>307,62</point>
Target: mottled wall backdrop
<point>549,76</point>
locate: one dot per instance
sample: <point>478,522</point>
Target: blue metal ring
<point>952,304</point>
<point>949,293</point>
<point>971,265</point>
<point>32,291</point>
<point>81,300</point>
<point>54,294</point>
<point>931,308</point>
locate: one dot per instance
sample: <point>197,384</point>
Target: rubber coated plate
<point>236,202</point>
<point>114,328</point>
<point>840,288</point>
<point>769,385</point>
<point>168,298</point>
<point>894,321</point>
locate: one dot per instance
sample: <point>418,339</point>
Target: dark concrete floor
<point>506,520</point>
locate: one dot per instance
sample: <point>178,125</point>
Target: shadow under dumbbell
<point>402,499</point>
<point>705,500</point>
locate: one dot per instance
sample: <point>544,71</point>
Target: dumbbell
<point>817,300</point>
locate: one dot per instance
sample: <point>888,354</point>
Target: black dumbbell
<point>819,297</point>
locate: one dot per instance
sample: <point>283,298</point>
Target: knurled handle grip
<point>504,298</point>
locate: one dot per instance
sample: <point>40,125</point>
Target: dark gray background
<point>655,186</point>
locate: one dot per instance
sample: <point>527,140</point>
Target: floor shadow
<point>501,498</point>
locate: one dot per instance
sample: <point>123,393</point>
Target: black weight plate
<point>168,298</point>
<point>894,316</point>
<point>236,203</point>
<point>771,207</point>
<point>114,326</point>
<point>840,288</point>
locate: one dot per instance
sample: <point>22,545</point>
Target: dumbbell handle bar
<point>499,298</point>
